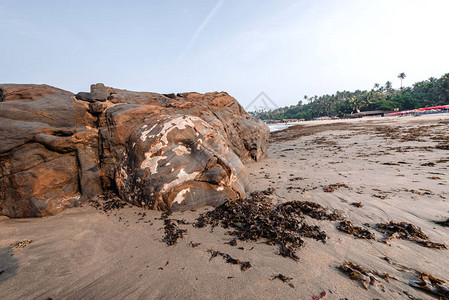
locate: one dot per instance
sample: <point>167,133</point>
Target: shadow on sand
<point>8,264</point>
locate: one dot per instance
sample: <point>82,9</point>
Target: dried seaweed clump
<point>297,178</point>
<point>109,202</point>
<point>366,277</point>
<point>424,281</point>
<point>172,232</point>
<point>284,278</point>
<point>312,209</point>
<point>443,145</point>
<point>358,232</point>
<point>387,131</point>
<point>407,231</point>
<point>257,218</point>
<point>244,265</point>
<point>20,244</point>
<point>443,223</point>
<point>333,187</point>
<point>431,285</point>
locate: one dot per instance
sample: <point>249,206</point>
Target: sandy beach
<point>393,167</point>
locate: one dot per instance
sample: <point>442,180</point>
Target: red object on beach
<point>321,296</point>
<point>418,110</point>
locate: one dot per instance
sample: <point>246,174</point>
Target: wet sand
<point>392,166</point>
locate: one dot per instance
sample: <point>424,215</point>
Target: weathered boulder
<point>47,137</point>
<point>158,151</point>
<point>177,160</point>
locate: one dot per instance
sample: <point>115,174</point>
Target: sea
<point>277,127</point>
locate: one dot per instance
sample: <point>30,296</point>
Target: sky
<point>285,49</point>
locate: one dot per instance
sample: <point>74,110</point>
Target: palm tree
<point>376,86</point>
<point>401,76</point>
<point>388,87</point>
<point>355,104</point>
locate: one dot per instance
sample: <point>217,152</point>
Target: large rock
<point>43,130</point>
<point>158,151</point>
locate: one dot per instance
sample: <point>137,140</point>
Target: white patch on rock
<point>180,197</point>
<point>180,123</point>
<point>156,147</point>
<point>145,133</point>
<point>181,150</point>
<point>220,188</point>
<point>151,162</point>
<point>181,177</point>
<point>199,143</point>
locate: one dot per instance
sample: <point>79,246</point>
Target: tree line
<point>430,92</point>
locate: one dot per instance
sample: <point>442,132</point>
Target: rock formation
<point>157,151</point>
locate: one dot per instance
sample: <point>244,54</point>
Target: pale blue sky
<point>285,48</point>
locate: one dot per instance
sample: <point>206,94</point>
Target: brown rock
<point>157,151</point>
<point>178,160</point>
<point>41,129</point>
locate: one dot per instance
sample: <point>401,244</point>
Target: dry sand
<point>85,253</point>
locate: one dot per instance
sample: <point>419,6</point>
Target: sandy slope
<point>85,254</point>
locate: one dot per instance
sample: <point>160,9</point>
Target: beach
<point>380,170</point>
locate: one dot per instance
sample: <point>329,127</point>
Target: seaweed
<point>244,265</point>
<point>297,178</point>
<point>284,279</point>
<point>109,202</point>
<point>424,193</point>
<point>357,204</point>
<point>312,209</point>
<point>358,232</point>
<point>181,221</point>
<point>401,230</point>
<point>423,281</point>
<point>391,164</point>
<point>21,244</point>
<point>333,187</point>
<point>443,160</point>
<point>366,277</point>
<point>194,245</point>
<point>256,218</point>
<point>172,232</point>
<point>114,203</point>
<point>443,146</point>
<point>431,285</point>
<point>405,135</point>
<point>430,244</point>
<point>407,231</point>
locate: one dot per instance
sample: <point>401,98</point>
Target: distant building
<point>269,121</point>
<point>371,113</point>
<point>291,120</point>
<point>323,118</point>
